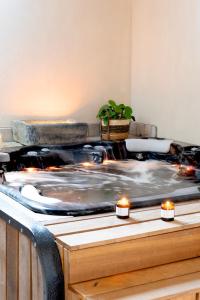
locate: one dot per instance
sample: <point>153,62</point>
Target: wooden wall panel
<point>40,281</point>
<point>66,273</point>
<point>37,286</point>
<point>34,270</point>
<point>61,252</point>
<point>137,278</point>
<point>73,296</point>
<point>24,267</point>
<point>12,260</point>
<point>133,255</point>
<point>20,269</point>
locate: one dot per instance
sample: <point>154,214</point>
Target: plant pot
<point>115,130</point>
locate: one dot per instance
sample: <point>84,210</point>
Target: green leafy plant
<point>112,111</point>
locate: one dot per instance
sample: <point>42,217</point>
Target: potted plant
<point>115,120</point>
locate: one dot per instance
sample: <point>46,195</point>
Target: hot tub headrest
<point>148,145</point>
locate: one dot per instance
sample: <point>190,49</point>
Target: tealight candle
<point>123,208</point>
<point>167,210</point>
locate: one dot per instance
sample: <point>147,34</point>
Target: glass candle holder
<point>123,208</point>
<point>167,210</point>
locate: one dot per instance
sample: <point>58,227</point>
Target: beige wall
<point>166,66</point>
<point>62,58</point>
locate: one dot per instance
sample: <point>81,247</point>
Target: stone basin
<point>33,132</point>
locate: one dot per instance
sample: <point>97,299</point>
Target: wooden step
<point>111,251</point>
<point>180,280</point>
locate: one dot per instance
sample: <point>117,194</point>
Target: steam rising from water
<point>105,182</point>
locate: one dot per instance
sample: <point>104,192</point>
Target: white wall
<point>166,66</point>
<point>62,58</point>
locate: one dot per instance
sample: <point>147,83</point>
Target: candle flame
<point>168,205</point>
<point>53,168</point>
<point>124,201</point>
<point>190,168</point>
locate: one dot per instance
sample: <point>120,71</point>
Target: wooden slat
<point>120,296</point>
<point>192,296</point>
<point>181,209</point>
<point>170,289</point>
<point>2,260</point>
<point>61,252</point>
<point>88,225</point>
<point>12,263</point>
<point>56,220</point>
<point>40,281</point>
<point>128,232</point>
<point>66,273</point>
<point>113,221</point>
<point>34,271</point>
<point>66,219</point>
<point>106,260</point>
<point>24,268</point>
<point>136,278</point>
<point>73,296</point>
<point>37,287</point>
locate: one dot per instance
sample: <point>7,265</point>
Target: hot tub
<point>88,178</point>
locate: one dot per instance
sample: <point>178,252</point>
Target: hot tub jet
<point>30,169</point>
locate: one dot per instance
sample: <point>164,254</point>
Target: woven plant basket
<point>116,130</point>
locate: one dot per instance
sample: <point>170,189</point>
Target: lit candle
<point>53,168</point>
<point>123,208</point>
<point>167,210</point>
<point>186,170</point>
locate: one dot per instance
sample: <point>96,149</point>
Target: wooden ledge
<point>130,232</point>
<point>70,225</point>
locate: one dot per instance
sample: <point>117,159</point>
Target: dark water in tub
<point>100,183</point>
